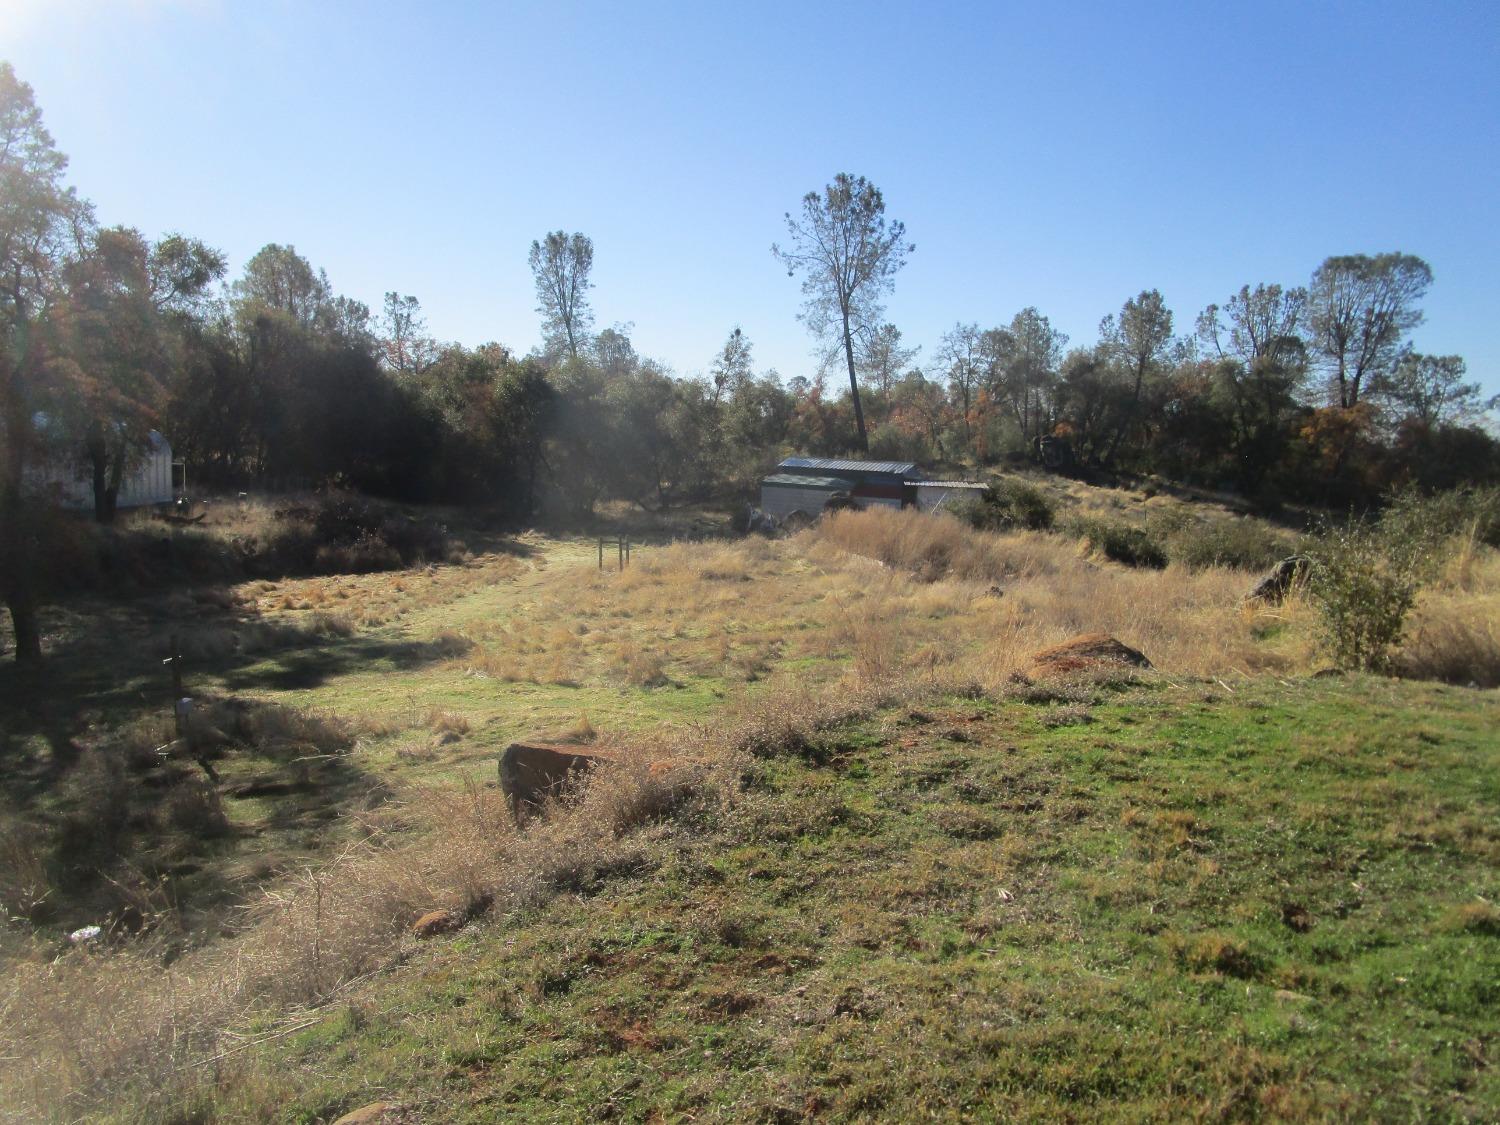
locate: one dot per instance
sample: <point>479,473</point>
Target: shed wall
<point>781,501</point>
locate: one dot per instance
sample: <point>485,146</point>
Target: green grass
<point>1185,902</point>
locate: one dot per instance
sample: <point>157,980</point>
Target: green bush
<point>1012,504</point>
<point>1132,546</point>
<point>1364,581</point>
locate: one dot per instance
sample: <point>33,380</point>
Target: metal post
<point>620,548</point>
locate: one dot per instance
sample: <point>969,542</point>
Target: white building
<point>148,481</point>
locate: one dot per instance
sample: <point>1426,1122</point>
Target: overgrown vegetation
<point>740,663</point>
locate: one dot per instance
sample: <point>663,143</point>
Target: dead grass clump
<point>1478,917</point>
<point>194,808</point>
<point>1453,643</point>
<point>278,731</point>
<point>1215,953</point>
<point>641,668</point>
<point>25,885</point>
<point>929,547</point>
<point>447,722</point>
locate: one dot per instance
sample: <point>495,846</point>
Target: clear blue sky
<point>1058,156</point>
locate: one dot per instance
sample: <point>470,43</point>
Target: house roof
<point>946,484</point>
<point>894,468</point>
<point>799,480</point>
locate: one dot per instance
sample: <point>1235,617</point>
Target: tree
<point>41,222</point>
<point>1262,322</point>
<point>1360,308</point>
<point>1261,369</point>
<point>561,263</point>
<point>1137,342</point>
<point>405,346</point>
<point>849,257</point>
<point>960,359</point>
<point>280,280</point>
<point>1024,362</point>
<point>882,360</point>
<point>731,367</point>
<point>1430,390</point>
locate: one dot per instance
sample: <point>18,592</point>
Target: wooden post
<point>175,660</point>
<point>620,548</point>
<point>627,552</point>
<point>601,552</point>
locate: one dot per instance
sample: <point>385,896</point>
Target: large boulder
<point>532,774</point>
<point>1278,583</point>
<point>1086,651</point>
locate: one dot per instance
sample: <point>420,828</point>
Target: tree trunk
<point>112,489</point>
<point>99,468</point>
<point>859,413</point>
<point>23,621</point>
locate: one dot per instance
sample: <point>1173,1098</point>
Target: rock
<point>1274,587</point>
<point>373,1114</point>
<point>436,922</point>
<point>1086,650</point>
<point>531,774</point>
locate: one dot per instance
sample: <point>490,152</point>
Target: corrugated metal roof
<point>946,484</point>
<point>798,480</point>
<point>895,468</point>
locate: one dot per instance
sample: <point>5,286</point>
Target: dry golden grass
<point>1187,622</point>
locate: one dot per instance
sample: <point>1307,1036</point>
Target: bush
<point>1241,543</point>
<point>1012,504</point>
<point>193,807</point>
<point>1463,512</point>
<point>1364,581</point>
<point>1132,546</point>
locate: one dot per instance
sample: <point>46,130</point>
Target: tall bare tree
<point>849,257</point>
<point>1360,308</point>
<point>561,264</point>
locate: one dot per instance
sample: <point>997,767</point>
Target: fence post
<point>601,552</point>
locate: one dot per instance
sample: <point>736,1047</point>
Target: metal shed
<point>784,493</point>
<point>147,481</point>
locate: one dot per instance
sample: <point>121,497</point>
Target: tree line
<point>273,379</point>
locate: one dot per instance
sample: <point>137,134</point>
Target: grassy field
<point>1163,902</point>
<point>886,876</point>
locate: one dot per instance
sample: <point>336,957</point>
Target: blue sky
<point>1058,156</point>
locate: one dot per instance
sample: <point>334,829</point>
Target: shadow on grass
<point>93,787</point>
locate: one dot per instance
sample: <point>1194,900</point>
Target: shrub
<point>1011,504</point>
<point>1364,581</point>
<point>1472,513</point>
<point>193,808</point>
<point>1241,543</point>
<point>1132,546</point>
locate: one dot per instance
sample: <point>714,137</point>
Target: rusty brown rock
<point>1087,650</point>
<point>531,774</point>
<point>436,922</point>
<point>376,1113</point>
